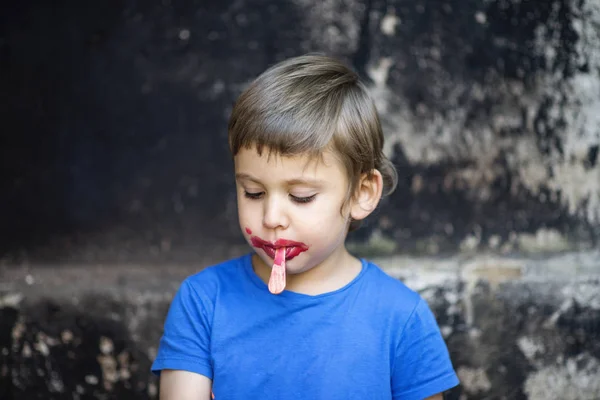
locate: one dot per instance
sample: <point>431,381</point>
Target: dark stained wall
<point>113,146</point>
<point>113,151</point>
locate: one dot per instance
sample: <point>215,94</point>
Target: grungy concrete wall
<point>115,117</point>
<point>517,328</point>
<point>116,181</point>
<point>492,110</point>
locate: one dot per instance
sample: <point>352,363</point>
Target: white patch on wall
<point>577,104</point>
<point>334,24</point>
<point>389,23</point>
<point>530,347</point>
<point>427,137</point>
<point>474,380</point>
<point>574,380</point>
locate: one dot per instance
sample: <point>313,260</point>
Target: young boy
<point>300,317</point>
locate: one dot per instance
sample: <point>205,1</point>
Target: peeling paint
<point>106,345</point>
<point>26,351</point>
<point>110,376</point>
<point>583,293</point>
<point>474,380</point>
<point>152,390</point>
<point>530,347</point>
<point>497,331</point>
<point>579,187</point>
<point>544,240</point>
<point>42,347</point>
<point>473,104</point>
<point>18,330</point>
<point>379,73</point>
<point>66,336</point>
<point>56,384</point>
<point>445,131</point>
<point>11,300</point>
<point>480,17</point>
<point>490,270</point>
<point>333,24</point>
<point>389,23</point>
<point>577,379</point>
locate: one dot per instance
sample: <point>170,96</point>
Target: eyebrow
<point>294,181</point>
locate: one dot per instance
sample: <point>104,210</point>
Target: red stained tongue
<point>277,279</point>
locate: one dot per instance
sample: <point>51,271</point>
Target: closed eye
<point>303,200</point>
<point>253,196</point>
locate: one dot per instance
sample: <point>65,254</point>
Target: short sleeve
<point>185,344</point>
<point>422,365</point>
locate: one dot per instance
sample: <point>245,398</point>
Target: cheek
<point>248,225</point>
<point>245,213</point>
<point>245,210</point>
<point>250,216</point>
<point>325,221</point>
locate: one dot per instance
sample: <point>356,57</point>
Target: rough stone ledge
<point>516,327</point>
<point>420,272</point>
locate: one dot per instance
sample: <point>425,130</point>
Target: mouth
<point>292,248</point>
<point>290,251</point>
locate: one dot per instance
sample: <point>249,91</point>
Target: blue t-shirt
<point>372,339</point>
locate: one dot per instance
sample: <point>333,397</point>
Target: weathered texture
<point>52,350</point>
<point>114,151</point>
<point>493,111</point>
<point>115,148</point>
<point>94,339</point>
<point>516,328</point>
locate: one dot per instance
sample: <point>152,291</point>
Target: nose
<point>274,215</point>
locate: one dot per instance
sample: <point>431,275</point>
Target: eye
<point>303,200</point>
<point>253,196</point>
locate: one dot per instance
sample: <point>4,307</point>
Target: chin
<point>295,271</point>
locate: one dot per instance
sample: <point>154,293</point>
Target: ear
<point>367,195</point>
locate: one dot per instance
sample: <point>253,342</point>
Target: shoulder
<point>215,278</point>
<point>219,272</point>
<point>392,292</point>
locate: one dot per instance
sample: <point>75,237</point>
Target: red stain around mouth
<point>248,231</point>
<point>293,248</point>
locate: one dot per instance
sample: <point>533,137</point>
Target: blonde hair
<point>309,104</point>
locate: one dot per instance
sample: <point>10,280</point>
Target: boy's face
<point>297,199</point>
